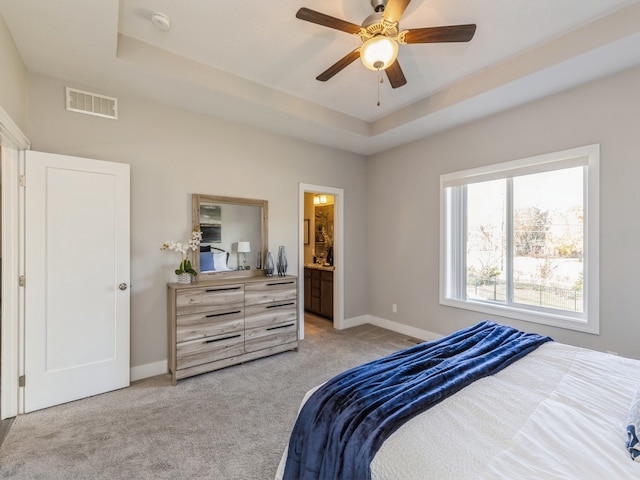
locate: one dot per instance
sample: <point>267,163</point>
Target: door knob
<point>122,286</point>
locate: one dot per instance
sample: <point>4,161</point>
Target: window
<point>520,239</point>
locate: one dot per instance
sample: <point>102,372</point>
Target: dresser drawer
<point>202,299</point>
<point>213,322</point>
<point>273,290</point>
<point>269,314</point>
<point>197,352</point>
<point>265,337</point>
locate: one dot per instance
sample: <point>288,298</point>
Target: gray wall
<point>403,198</point>
<point>174,153</point>
<point>13,79</point>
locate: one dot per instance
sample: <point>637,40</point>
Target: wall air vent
<point>91,103</point>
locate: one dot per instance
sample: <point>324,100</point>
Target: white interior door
<point>77,278</point>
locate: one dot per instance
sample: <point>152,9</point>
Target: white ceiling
<point>253,62</point>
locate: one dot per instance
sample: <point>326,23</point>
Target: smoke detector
<point>160,21</point>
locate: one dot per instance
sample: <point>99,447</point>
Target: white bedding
<point>558,413</point>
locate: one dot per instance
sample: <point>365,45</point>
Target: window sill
<point>543,318</point>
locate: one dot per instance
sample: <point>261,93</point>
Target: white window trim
<point>587,155</point>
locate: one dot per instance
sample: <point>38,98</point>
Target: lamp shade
<point>244,247</point>
<point>379,52</point>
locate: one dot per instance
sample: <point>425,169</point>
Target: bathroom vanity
<point>318,290</point>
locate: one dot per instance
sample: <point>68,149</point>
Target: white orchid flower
<point>183,249</point>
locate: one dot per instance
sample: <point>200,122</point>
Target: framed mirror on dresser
<point>235,234</point>
<point>232,313</point>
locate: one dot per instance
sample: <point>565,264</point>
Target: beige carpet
<point>232,424</point>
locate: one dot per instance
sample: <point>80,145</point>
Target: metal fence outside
<point>494,289</point>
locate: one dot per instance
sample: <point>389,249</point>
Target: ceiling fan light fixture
<point>379,52</point>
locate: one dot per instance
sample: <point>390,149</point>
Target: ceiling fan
<point>380,34</point>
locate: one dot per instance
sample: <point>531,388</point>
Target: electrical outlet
<point>394,308</point>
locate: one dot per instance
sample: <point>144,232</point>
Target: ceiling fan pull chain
<point>380,80</point>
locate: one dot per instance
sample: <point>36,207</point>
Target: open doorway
<point>319,264</point>
<point>6,423</point>
<point>2,430</point>
<point>321,254</point>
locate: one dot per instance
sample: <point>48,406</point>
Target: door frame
<point>338,252</point>
<point>13,142</point>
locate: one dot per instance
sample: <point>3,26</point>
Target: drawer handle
<point>280,283</point>
<point>223,338</point>
<point>281,326</point>
<point>221,289</point>
<point>222,314</point>
<point>281,305</point>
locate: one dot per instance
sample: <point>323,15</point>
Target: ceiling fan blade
<point>394,10</point>
<point>451,33</point>
<point>327,21</point>
<point>339,65</point>
<point>395,75</point>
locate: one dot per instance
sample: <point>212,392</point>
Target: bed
<point>558,412</point>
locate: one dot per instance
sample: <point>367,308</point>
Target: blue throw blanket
<point>344,423</point>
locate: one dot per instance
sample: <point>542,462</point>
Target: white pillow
<point>220,262</point>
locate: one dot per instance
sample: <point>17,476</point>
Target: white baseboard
<point>355,321</point>
<point>148,370</point>
<point>393,326</point>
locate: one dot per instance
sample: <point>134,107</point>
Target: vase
<point>268,265</point>
<point>282,261</point>
<point>259,262</point>
<point>330,256</point>
<point>184,278</point>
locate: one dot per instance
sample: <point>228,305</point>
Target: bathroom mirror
<point>225,222</point>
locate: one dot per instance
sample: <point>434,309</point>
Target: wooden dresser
<point>217,323</point>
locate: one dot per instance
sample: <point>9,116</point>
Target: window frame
<point>453,229</point>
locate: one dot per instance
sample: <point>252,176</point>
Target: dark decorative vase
<point>259,262</point>
<point>330,256</point>
<point>268,265</point>
<point>282,261</point>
